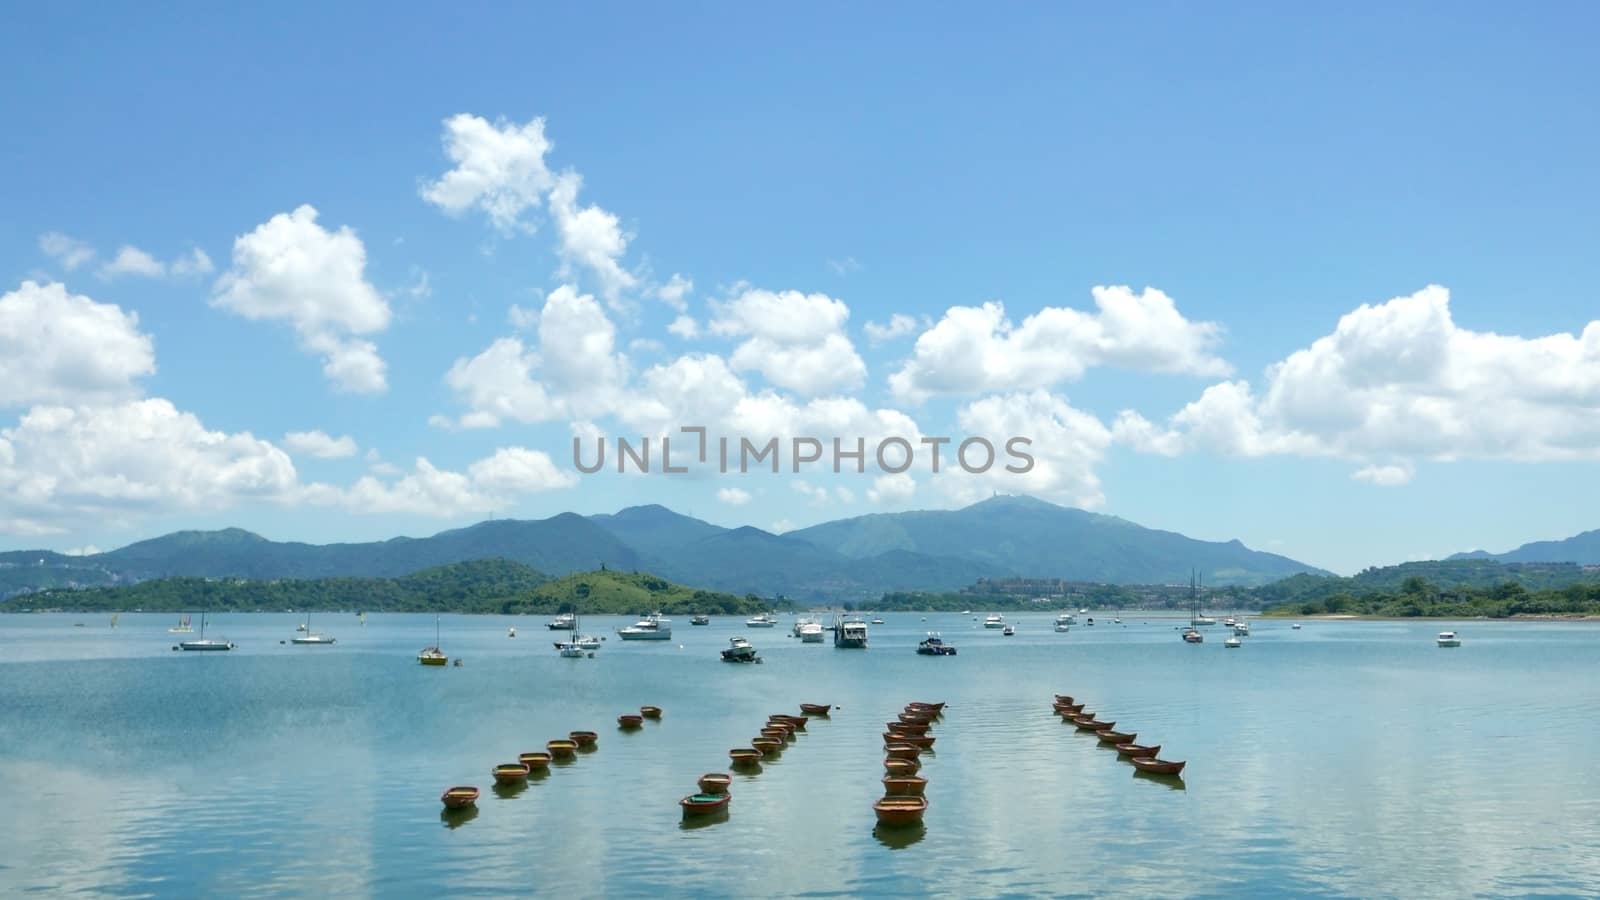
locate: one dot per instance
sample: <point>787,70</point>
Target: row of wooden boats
<point>779,730</point>
<point>905,798</point>
<point>1144,757</point>
<point>528,764</point>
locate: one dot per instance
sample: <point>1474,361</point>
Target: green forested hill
<point>609,592</point>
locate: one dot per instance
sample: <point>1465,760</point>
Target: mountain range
<point>848,558</point>
<point>1583,549</point>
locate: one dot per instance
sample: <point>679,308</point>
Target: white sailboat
<point>572,649</point>
<point>307,636</point>
<point>205,643</point>
<point>183,626</point>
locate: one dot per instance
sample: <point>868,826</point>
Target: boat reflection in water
<point>455,818</point>
<point>1173,782</point>
<point>898,837</point>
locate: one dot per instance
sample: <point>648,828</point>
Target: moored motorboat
<point>629,721</point>
<point>810,632</point>
<point>1232,643</point>
<point>933,645</point>
<point>1107,736</point>
<point>511,773</point>
<point>1445,639</point>
<point>1010,630</point>
<point>1190,636</point>
<point>994,620</point>
<point>459,797</point>
<point>704,804</point>
<point>740,650</point>
<point>745,755</point>
<point>899,809</point>
<point>584,738</point>
<point>1155,766</point>
<point>1065,621</point>
<point>1295,627</point>
<point>650,712</point>
<point>715,782</point>
<point>850,633</point>
<point>904,785</point>
<point>815,709</point>
<point>563,622</point>
<point>534,761</point>
<point>896,766</point>
<point>562,749</point>
<point>700,620</point>
<point>1131,750</point>
<point>761,620</point>
<point>901,750</point>
<point>649,628</point>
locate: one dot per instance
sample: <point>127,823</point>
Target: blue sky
<point>1251,175</point>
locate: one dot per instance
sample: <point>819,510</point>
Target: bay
<point>1342,759</point>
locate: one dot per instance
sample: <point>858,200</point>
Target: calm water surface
<point>1345,759</point>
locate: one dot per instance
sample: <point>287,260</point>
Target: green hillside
<point>609,592</point>
<point>480,586</point>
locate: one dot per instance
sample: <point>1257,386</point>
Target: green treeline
<point>1418,597</point>
<point>480,586</point>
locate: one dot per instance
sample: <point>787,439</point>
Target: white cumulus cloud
<point>290,269</point>
<point>65,249</point>
<point>976,349</point>
<point>733,496</point>
<point>319,444</point>
<point>59,347</point>
<point>899,325</point>
<point>499,169</point>
<point>1384,476</point>
<point>795,340</point>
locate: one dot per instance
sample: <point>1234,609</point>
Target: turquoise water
<point>1345,759</point>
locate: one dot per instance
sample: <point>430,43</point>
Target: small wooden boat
<point>799,722</point>
<point>908,727</point>
<point>920,741</point>
<point>704,804</point>
<point>459,797</point>
<point>904,785</point>
<point>901,751</point>
<point>534,760</point>
<point>1157,766</point>
<point>900,810</point>
<point>715,782</point>
<point>1107,736</point>
<point>745,755</point>
<point>1069,709</point>
<point>650,712</point>
<point>918,704</point>
<point>1131,750</point>
<point>777,734</point>
<point>511,773</point>
<point>1085,715</point>
<point>562,749</point>
<point>901,766</point>
<point>1064,698</point>
<point>785,727</point>
<point>768,746</point>
<point>915,718</point>
<point>1091,725</point>
<point>629,721</point>
<point>584,738</point>
<point>815,709</point>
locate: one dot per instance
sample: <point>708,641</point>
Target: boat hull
<point>1152,766</point>
<point>1135,750</point>
<point>917,728</point>
<point>704,804</point>
<point>900,750</point>
<point>629,721</point>
<point>650,712</point>
<point>511,774</point>
<point>562,749</point>
<point>205,646</point>
<point>584,738</point>
<point>459,797</point>
<point>1107,736</point>
<point>815,709</point>
<point>896,810</point>
<point>534,760</point>
<point>896,766</point>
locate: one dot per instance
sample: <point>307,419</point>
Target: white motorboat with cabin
<point>1241,628</point>
<point>761,620</point>
<point>1448,639</point>
<point>563,622</point>
<point>740,650</point>
<point>1009,630</point>
<point>850,632</point>
<point>811,632</point>
<point>994,620</point>
<point>649,628</point>
<point>1233,643</point>
<point>1065,621</point>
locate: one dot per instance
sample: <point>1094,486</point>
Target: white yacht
<point>1241,628</point>
<point>1448,639</point>
<point>1233,643</point>
<point>761,620</point>
<point>649,628</point>
<point>563,622</point>
<point>811,632</point>
<point>994,620</point>
<point>1009,630</point>
<point>739,650</point>
<point>850,633</point>
<point>1065,621</point>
